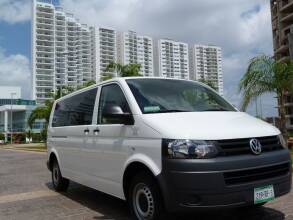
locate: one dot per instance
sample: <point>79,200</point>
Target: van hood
<point>208,125</point>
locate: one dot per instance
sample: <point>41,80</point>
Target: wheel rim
<point>143,202</point>
<point>55,174</point>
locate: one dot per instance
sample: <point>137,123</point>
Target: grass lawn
<point>39,147</point>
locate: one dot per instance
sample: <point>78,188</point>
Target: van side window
<point>111,95</point>
<point>75,110</point>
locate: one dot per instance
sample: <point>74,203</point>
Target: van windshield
<point>168,95</point>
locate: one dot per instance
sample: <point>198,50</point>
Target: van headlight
<point>189,149</point>
<point>282,141</point>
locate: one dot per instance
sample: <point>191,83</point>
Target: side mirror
<point>115,114</point>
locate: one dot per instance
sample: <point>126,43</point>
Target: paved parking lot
<point>26,193</point>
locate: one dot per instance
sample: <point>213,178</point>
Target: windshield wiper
<point>166,111</point>
<point>216,110</point>
<point>171,110</point>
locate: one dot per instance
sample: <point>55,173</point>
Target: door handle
<point>86,131</point>
<point>96,131</point>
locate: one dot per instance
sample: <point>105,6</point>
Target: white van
<point>165,145</point>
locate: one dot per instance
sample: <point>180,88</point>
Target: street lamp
<point>11,130</point>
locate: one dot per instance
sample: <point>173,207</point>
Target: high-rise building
<point>61,51</point>
<point>138,49</point>
<point>66,52</point>
<point>104,49</point>
<point>282,26</point>
<point>172,59</point>
<point>206,63</point>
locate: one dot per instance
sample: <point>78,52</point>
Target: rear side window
<point>75,110</point>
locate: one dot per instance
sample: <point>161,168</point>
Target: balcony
<point>287,6</point>
<point>288,18</point>
<point>284,58</point>
<point>282,49</point>
<point>45,20</point>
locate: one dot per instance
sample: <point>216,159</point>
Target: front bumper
<point>200,184</point>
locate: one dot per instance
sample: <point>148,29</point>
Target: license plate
<point>264,194</point>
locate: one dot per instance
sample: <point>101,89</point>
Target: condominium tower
<point>206,64</point>
<point>66,52</point>
<point>282,26</point>
<point>138,49</point>
<point>61,51</point>
<point>171,59</point>
<point>104,47</point>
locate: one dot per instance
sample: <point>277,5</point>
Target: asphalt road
<point>26,194</point>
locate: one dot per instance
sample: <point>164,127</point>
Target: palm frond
<point>258,79</point>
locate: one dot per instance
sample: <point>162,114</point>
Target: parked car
<point>165,145</point>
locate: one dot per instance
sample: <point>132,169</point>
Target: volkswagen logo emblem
<point>255,146</point>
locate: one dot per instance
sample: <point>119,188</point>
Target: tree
<point>264,75</point>
<point>208,83</point>
<point>29,135</point>
<point>2,136</point>
<point>120,70</point>
<point>87,84</point>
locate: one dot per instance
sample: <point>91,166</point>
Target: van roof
<point>143,77</point>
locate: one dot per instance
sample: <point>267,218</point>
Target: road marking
<point>26,196</point>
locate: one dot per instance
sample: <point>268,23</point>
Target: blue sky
<point>16,38</point>
<point>242,28</point>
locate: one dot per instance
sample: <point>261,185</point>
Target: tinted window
<point>76,110</point>
<point>111,95</point>
<point>164,95</point>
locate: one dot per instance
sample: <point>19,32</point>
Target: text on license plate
<point>264,194</point>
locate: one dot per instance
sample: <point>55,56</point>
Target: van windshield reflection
<point>168,95</point>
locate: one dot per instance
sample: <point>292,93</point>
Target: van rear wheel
<point>60,184</point>
<point>144,198</point>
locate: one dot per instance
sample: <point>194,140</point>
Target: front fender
<point>147,161</point>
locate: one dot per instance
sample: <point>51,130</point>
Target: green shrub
<point>2,136</point>
<point>36,137</point>
<point>44,135</point>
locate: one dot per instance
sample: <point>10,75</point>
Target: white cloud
<point>15,71</point>
<point>13,11</point>
<point>242,28</point>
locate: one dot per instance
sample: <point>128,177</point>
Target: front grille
<point>251,175</point>
<point>241,146</point>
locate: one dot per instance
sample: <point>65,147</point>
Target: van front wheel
<point>144,198</point>
<point>60,184</point>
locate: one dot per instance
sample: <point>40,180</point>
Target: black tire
<point>144,198</point>
<point>60,184</point>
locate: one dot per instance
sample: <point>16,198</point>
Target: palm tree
<point>127,70</point>
<point>87,84</point>
<point>264,75</point>
<point>208,83</point>
<point>41,112</point>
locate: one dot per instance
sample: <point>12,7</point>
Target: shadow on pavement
<point>109,207</point>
